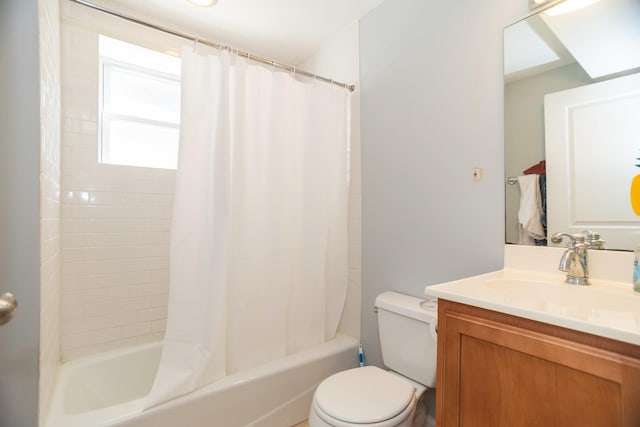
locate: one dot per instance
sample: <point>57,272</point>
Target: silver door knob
<point>8,306</point>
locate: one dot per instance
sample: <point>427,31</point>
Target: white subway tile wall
<point>115,219</point>
<point>350,322</point>
<point>50,98</point>
<point>339,59</point>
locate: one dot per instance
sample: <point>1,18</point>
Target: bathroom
<point>429,98</point>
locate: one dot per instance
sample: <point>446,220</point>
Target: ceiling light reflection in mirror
<point>568,6</point>
<point>604,40</point>
<point>204,3</point>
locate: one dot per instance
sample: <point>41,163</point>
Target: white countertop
<point>607,308</point>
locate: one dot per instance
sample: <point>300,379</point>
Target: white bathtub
<point>108,390</point>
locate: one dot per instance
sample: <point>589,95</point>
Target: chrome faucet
<point>593,239</point>
<point>574,259</point>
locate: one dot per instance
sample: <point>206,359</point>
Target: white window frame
<point>107,65</point>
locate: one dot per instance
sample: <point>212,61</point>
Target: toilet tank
<point>407,327</point>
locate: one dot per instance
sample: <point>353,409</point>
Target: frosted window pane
<point>140,106</point>
<point>137,55</point>
<point>135,94</point>
<point>141,144</point>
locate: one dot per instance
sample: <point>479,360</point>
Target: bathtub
<point>108,390</point>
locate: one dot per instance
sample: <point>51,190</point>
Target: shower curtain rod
<point>214,45</point>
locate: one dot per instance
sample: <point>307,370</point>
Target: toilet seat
<point>393,422</point>
<point>364,396</point>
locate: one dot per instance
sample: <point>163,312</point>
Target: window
<point>139,105</point>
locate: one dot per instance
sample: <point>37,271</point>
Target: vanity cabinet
<point>497,370</point>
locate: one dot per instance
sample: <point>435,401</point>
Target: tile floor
<point>302,424</point>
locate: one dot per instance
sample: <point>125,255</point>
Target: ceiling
<point>288,31</point>
<point>601,36</point>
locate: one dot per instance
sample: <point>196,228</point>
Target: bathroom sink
<point>522,286</point>
<point>584,302</point>
<point>605,308</point>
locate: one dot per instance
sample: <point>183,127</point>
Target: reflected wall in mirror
<point>585,65</point>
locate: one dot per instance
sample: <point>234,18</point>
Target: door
<point>592,142</point>
<point>19,210</point>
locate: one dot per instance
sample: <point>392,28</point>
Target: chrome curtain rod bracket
<point>219,46</point>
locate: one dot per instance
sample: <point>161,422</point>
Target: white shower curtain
<point>258,262</point>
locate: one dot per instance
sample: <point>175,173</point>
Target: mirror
<point>572,99</point>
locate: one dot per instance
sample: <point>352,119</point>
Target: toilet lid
<point>364,395</point>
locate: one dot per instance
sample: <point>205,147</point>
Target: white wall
<point>19,216</point>
<point>50,106</point>
<point>115,219</point>
<point>432,109</point>
<point>339,60</point>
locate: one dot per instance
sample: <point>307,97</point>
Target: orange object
<point>635,194</point>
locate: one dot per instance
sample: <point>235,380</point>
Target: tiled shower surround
<point>116,219</point>
<point>115,222</point>
<point>50,98</point>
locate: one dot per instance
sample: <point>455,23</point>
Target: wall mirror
<point>572,99</point>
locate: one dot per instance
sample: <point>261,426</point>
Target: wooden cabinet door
<point>498,370</point>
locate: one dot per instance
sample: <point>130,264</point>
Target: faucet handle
<point>593,239</point>
<point>574,239</point>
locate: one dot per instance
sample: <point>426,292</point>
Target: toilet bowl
<point>367,396</point>
<point>373,397</point>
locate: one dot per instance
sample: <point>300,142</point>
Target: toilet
<point>373,397</point>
